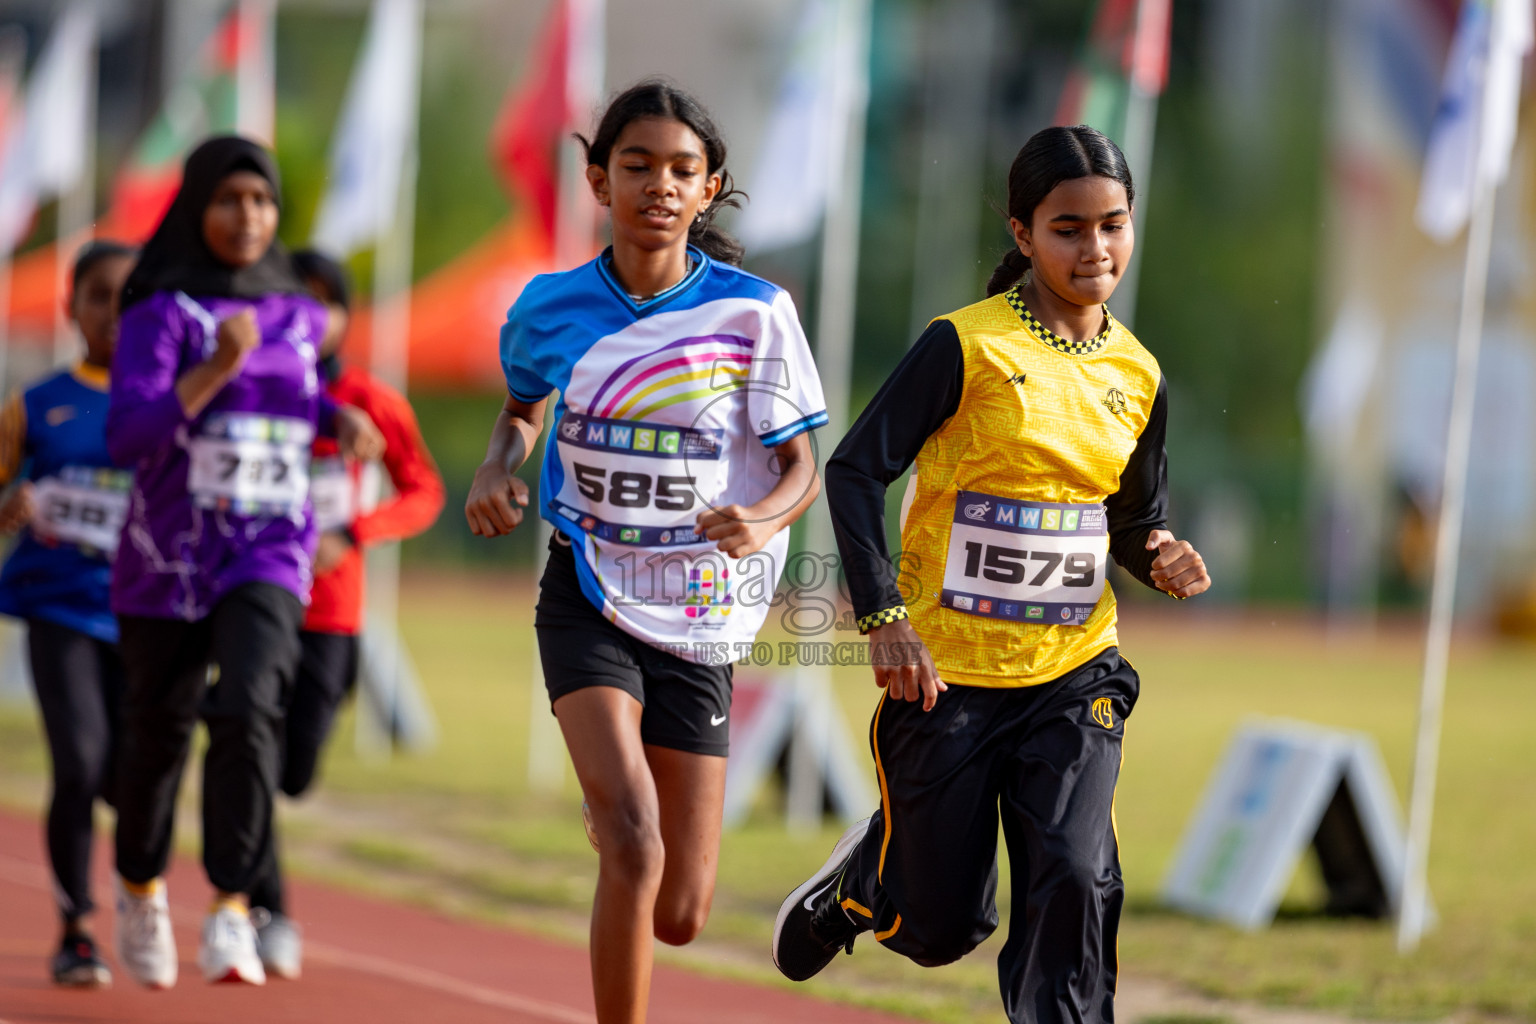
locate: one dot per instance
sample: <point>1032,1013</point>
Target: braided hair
<point>1050,157</point>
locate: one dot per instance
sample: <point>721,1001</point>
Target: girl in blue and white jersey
<point>681,453</point>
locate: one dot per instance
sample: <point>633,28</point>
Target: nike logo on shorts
<point>716,719</point>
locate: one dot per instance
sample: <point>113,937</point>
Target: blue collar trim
<point>655,302</point>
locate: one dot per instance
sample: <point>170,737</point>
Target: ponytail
<point>1050,157</point>
<point>1009,272</point>
<point>656,98</point>
<point>713,241</point>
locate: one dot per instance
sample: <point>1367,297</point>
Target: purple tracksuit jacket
<point>221,499</point>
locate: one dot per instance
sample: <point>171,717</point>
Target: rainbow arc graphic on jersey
<point>680,371</point>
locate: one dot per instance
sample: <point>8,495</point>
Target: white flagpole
<point>840,235</point>
<point>1493,123</point>
<point>393,260</point>
<point>836,306</point>
<point>77,207</point>
<point>576,218</point>
<point>390,352</point>
<point>1437,643</point>
<point>390,359</point>
<point>5,322</point>
<point>950,185</point>
<point>1140,132</point>
<point>576,222</point>
<point>256,72</point>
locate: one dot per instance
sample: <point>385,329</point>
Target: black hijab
<point>176,259</point>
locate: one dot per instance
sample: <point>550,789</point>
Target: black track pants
<point>327,673</point>
<point>1046,758</point>
<point>79,683</point>
<point>233,669</point>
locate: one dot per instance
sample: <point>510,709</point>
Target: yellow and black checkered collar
<point>1050,337</point>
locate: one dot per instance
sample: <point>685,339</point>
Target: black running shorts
<point>687,705</point>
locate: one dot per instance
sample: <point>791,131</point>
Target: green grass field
<point>459,828</point>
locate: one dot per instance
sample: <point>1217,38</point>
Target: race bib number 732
<point>251,464</point>
<point>1026,561</point>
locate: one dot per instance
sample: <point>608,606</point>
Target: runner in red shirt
<point>350,518</point>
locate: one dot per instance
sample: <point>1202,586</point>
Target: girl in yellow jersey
<point>1035,421</point>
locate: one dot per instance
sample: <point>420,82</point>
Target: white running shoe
<point>145,946</point>
<point>228,949</point>
<point>278,943</point>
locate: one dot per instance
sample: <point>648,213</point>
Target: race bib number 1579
<point>1026,561</point>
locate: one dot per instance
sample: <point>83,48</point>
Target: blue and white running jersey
<point>667,408</point>
<point>54,434</point>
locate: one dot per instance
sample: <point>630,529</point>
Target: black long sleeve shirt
<point>915,401</point>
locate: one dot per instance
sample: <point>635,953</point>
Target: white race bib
<point>84,506</point>
<point>251,464</point>
<point>636,483</point>
<point>1026,561</point>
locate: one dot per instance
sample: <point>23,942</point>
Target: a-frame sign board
<point>1280,787</point>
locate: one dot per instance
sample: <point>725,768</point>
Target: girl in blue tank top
<point>68,506</point>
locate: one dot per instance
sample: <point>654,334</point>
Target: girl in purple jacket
<point>215,402</point>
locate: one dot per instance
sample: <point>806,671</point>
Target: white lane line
<point>35,876</point>
<point>394,970</point>
<point>20,872</point>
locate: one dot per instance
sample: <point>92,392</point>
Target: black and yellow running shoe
<point>812,926</point>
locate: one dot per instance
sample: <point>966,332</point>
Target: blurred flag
<point>550,100</point>
<point>1474,128</point>
<point>1128,46</point>
<point>375,134</point>
<point>256,70</point>
<point>46,148</point>
<point>457,306</point>
<point>207,100</point>
<point>796,168</point>
<point>1114,87</point>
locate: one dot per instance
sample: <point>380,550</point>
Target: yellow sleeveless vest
<point>1034,423</point>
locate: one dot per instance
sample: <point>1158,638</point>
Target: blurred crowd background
<point>1304,321</point>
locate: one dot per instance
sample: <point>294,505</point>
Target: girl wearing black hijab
<point>215,402</point>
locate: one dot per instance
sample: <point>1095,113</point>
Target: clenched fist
<point>238,336</point>
<point>356,434</point>
<point>496,501</point>
<point>1178,568</point>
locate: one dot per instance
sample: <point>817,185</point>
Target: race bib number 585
<point>633,482</point>
<point>1026,561</point>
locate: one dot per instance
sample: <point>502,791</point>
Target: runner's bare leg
<point>602,731</point>
<point>691,792</point>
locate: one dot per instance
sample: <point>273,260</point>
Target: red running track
<point>366,962</point>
